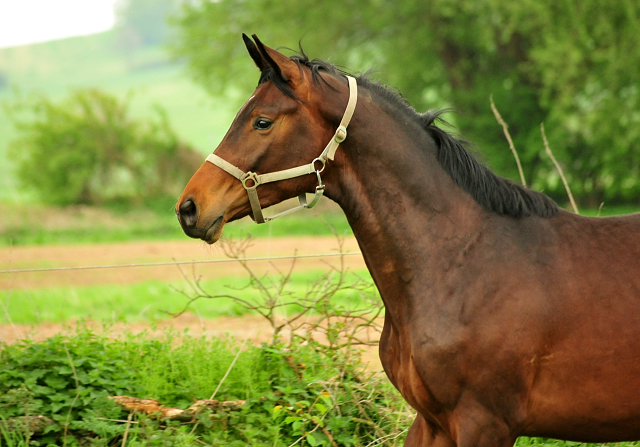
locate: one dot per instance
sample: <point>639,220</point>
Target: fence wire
<point>156,264</point>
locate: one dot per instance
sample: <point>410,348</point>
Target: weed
<point>337,311</point>
<point>65,378</point>
<point>335,401</point>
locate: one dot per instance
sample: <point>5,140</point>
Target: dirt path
<point>252,327</point>
<point>156,252</point>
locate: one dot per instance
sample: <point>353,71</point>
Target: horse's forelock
<point>316,67</point>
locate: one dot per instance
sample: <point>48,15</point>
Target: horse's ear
<point>284,67</point>
<point>254,52</point>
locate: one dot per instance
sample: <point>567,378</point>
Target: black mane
<point>494,193</point>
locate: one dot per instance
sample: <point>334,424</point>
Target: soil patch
<point>253,328</point>
<point>14,258</point>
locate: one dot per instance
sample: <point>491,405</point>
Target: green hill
<point>56,68</point>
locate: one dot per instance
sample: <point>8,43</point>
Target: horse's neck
<point>405,210</point>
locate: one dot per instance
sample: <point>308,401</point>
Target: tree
<point>87,150</point>
<point>571,64</point>
<point>144,22</point>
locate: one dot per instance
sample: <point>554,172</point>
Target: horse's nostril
<point>187,207</point>
<point>188,213</point>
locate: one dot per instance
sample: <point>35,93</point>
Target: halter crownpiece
<point>251,180</point>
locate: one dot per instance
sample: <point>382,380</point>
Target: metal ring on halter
<point>250,176</point>
<point>321,161</point>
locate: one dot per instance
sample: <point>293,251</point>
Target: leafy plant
<point>65,378</point>
<point>329,397</point>
<point>295,394</point>
<point>86,150</point>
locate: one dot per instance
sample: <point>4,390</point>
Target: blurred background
<point>123,112</point>
<point>109,106</point>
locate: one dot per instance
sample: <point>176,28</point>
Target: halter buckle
<point>341,134</point>
<point>250,176</point>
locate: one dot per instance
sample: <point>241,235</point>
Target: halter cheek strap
<point>251,180</point>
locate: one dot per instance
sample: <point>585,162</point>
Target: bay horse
<point>506,316</point>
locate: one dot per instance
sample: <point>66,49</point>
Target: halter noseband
<point>251,180</point>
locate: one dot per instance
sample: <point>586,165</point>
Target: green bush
<point>87,150</point>
<point>295,392</point>
<point>64,378</point>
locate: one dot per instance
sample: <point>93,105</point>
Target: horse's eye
<point>262,124</point>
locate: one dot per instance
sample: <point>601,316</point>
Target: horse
<point>505,315</point>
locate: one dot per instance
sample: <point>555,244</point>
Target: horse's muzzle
<point>188,214</point>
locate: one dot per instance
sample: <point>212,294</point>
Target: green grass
<point>144,301</point>
<point>31,224</point>
<point>81,227</point>
<point>147,301</point>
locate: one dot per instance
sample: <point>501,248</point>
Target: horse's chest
<point>427,390</point>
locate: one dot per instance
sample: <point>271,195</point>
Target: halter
<point>251,180</point>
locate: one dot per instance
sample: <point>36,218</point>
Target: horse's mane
<point>492,192</point>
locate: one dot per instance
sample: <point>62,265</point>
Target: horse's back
<point>589,365</point>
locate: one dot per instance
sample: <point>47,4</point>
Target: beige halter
<point>327,154</point>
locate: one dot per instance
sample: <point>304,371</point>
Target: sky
<point>31,21</point>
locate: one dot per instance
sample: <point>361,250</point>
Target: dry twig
<point>75,376</point>
<point>310,314</point>
<point>505,129</point>
<point>557,165</point>
<point>153,407</point>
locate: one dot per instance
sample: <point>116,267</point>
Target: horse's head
<point>273,148</point>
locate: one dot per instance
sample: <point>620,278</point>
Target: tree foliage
<point>86,149</point>
<point>570,64</point>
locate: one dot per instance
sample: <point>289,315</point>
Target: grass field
<point>32,224</point>
<point>55,68</point>
<point>151,301</point>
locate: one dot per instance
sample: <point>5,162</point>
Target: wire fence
<point>156,264</point>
